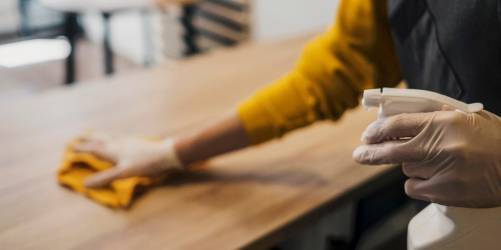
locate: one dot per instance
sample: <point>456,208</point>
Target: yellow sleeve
<point>334,69</point>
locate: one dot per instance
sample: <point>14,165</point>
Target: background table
<point>249,199</point>
<point>74,9</point>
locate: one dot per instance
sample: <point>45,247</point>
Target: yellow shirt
<point>355,54</point>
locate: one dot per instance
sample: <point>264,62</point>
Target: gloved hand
<point>131,156</point>
<point>452,158</point>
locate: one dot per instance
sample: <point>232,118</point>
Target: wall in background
<point>285,18</point>
<point>127,33</point>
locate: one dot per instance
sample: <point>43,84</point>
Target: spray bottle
<point>437,226</point>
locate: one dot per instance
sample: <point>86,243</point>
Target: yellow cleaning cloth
<point>76,167</point>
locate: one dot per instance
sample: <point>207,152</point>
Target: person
<point>450,47</point>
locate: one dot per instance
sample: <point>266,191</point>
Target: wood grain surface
<point>249,199</point>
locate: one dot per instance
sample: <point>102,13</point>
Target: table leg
<point>108,53</point>
<point>71,33</point>
<point>23,6</point>
<point>189,29</point>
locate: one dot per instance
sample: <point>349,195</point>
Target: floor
<point>27,80</point>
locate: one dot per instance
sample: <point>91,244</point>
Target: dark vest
<point>451,47</point>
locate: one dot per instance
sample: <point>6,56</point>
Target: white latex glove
<point>131,156</point>
<point>452,158</point>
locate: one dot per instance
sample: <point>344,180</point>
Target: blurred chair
<point>36,21</point>
<point>208,24</point>
<point>26,19</point>
<point>222,23</point>
<point>30,34</point>
<point>72,9</point>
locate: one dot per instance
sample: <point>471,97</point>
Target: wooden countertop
<point>249,199</point>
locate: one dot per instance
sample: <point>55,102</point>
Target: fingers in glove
<point>96,145</point>
<point>417,170</point>
<point>95,137</point>
<point>395,127</point>
<point>391,152</point>
<point>98,149</point>
<point>105,178</point>
<point>417,189</point>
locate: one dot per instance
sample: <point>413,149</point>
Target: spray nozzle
<point>392,101</point>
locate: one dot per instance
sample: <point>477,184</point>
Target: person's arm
<point>226,135</point>
<point>133,156</point>
<point>356,53</point>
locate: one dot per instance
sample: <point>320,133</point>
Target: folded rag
<point>77,166</point>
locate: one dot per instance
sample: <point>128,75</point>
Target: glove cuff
<point>173,161</point>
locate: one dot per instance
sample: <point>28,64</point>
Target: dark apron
<point>451,47</point>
